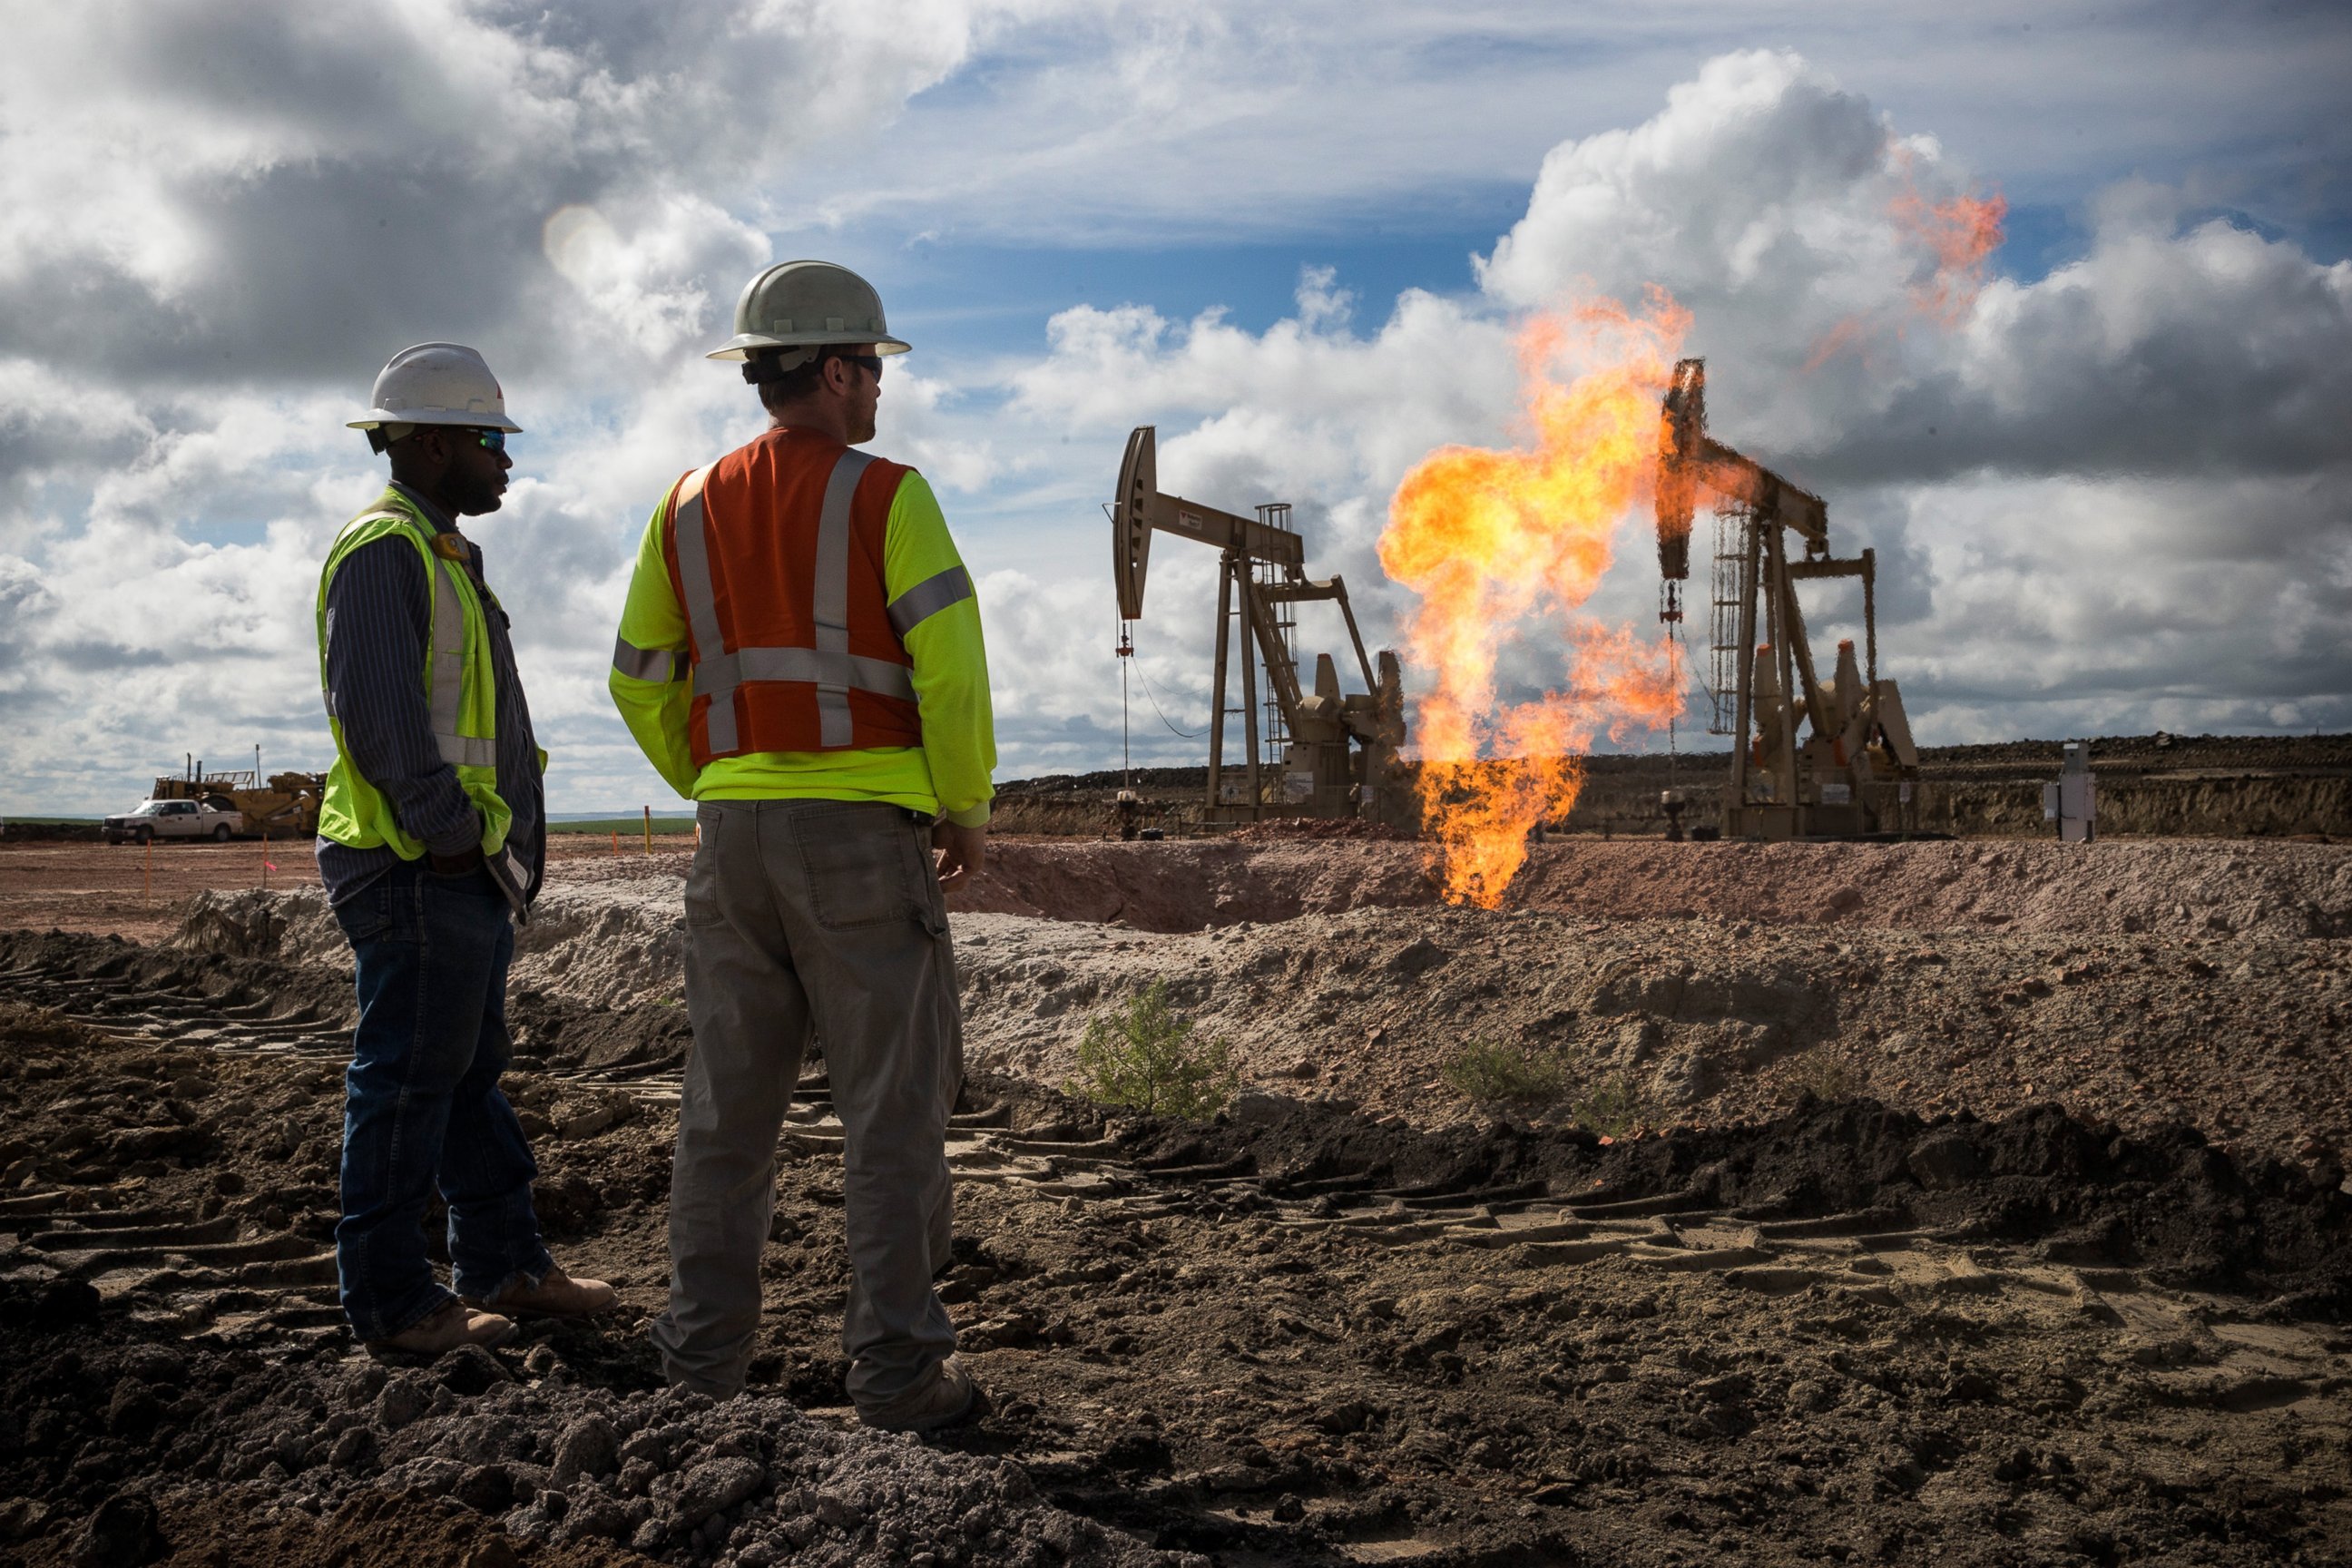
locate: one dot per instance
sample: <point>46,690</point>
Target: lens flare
<point>1487,539</point>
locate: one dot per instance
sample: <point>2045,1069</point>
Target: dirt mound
<point>606,934</point>
<point>2029,985</point>
<point>94,1403</point>
<point>2170,888</point>
<point>1706,1021</point>
<point>612,932</point>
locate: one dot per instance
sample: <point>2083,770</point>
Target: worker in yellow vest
<point>800,653</point>
<point>431,841</point>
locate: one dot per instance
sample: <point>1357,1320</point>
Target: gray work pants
<point>823,917</point>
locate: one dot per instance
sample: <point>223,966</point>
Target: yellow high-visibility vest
<point>460,689</point>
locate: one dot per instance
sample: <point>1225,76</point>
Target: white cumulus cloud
<point>2108,497</point>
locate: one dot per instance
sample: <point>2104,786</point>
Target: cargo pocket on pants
<point>862,863</point>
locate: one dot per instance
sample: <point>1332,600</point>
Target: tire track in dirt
<point>1314,1339</point>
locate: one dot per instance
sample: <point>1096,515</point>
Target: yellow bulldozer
<point>286,806</point>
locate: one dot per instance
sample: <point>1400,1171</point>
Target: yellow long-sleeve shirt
<point>947,773</point>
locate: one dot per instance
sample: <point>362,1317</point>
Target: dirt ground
<point>137,891</point>
<point>1995,1213</point>
<point>129,888</point>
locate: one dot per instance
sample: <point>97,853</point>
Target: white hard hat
<point>437,384</point>
<point>806,305</point>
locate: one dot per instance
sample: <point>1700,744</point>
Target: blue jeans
<point>421,1107</point>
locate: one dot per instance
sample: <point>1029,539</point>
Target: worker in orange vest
<point>801,655</point>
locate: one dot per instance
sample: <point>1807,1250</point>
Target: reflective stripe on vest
<point>829,665</point>
<point>908,611</point>
<point>662,664</point>
<point>840,671</point>
<point>508,871</point>
<point>449,677</point>
<point>832,607</point>
<point>928,598</point>
<point>701,602</point>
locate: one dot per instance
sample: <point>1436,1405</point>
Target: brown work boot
<point>447,1328</point>
<point>946,1399</point>
<point>557,1295</point>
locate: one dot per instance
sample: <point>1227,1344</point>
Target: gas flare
<point>1490,538</point>
<point>1960,233</point>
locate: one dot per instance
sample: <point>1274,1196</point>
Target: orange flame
<point>1487,537</point>
<point>1961,234</point>
<point>1846,332</point>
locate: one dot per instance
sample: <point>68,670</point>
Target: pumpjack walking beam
<point>1837,782</point>
<point>1321,723</point>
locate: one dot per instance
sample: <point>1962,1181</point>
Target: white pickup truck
<point>172,820</point>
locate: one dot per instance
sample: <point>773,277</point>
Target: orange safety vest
<point>776,554</point>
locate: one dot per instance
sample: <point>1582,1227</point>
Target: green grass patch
<point>1147,1057</point>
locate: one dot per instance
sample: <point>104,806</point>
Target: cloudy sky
<point>2107,489</point>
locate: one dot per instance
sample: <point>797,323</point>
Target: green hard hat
<point>806,305</point>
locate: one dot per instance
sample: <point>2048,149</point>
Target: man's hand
<point>957,852</point>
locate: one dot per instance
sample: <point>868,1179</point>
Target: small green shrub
<point>1146,1058</point>
<point>1489,1074</point>
<point>1823,1076</point>
<point>1611,1108</point>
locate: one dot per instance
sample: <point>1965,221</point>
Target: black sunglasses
<point>871,362</point>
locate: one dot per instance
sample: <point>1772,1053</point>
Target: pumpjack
<point>1261,575</point>
<point>1852,776</point>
